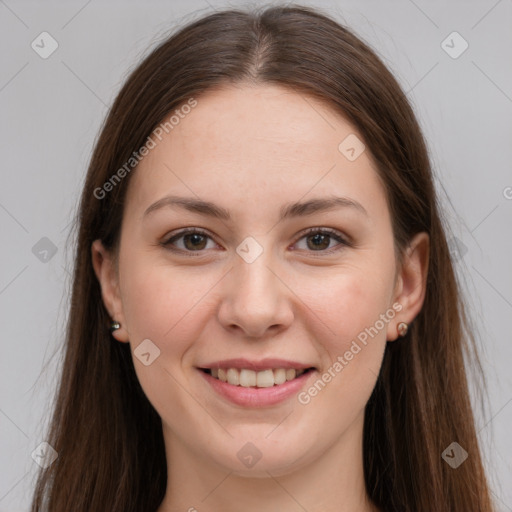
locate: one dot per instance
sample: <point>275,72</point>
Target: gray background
<point>51,111</point>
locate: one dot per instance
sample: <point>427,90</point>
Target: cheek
<point>165,304</point>
<point>348,303</point>
<point>354,304</point>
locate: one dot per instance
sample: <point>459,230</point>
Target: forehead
<point>253,145</point>
<point>260,119</point>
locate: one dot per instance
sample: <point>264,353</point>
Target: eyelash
<point>322,231</point>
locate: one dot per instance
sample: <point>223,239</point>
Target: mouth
<point>249,378</point>
<point>264,383</point>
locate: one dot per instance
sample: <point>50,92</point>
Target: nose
<point>255,299</point>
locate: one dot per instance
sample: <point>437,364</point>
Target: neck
<point>332,483</point>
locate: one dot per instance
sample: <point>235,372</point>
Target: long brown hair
<point>107,434</point>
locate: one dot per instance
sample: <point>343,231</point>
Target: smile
<point>260,379</point>
<point>249,383</point>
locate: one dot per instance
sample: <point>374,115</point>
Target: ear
<point>105,270</point>
<point>411,283</point>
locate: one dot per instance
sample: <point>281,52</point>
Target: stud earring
<point>114,326</point>
<point>402,329</point>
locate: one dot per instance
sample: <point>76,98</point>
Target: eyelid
<point>342,239</point>
<point>166,243</point>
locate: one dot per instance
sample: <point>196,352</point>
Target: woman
<point>264,311</point>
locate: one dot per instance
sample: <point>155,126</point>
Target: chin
<point>257,457</point>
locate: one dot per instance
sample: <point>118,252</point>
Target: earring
<point>402,329</point>
<point>114,326</point>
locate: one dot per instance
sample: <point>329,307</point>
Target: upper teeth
<point>249,378</point>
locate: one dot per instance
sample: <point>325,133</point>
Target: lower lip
<point>257,397</point>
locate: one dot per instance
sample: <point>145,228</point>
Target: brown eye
<point>194,241</point>
<point>190,240</point>
<point>320,240</point>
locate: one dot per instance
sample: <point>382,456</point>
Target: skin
<point>251,150</point>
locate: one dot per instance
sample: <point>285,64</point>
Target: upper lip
<point>263,364</point>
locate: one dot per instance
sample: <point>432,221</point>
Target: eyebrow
<point>290,210</point>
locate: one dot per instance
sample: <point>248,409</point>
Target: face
<point>252,287</point>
